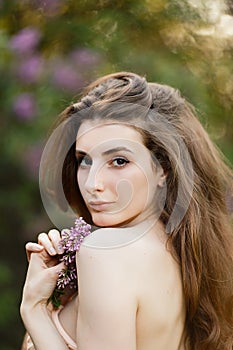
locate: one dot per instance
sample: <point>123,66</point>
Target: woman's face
<point>116,175</point>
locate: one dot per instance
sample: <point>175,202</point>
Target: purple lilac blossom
<point>84,56</point>
<point>66,77</point>
<point>24,106</point>
<point>30,70</point>
<point>71,241</point>
<point>25,41</point>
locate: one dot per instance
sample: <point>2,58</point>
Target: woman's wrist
<point>41,328</point>
<point>29,312</point>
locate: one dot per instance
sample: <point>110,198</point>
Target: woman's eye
<point>84,162</point>
<point>119,162</point>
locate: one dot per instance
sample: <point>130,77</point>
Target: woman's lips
<point>99,205</point>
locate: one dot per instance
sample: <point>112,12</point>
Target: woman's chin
<point>106,220</point>
<point>103,223</point>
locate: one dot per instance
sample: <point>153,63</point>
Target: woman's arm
<point>40,281</point>
<point>107,300</point>
<point>51,244</point>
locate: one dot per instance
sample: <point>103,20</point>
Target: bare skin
<point>130,296</point>
<point>152,293</point>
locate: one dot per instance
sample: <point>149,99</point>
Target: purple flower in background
<point>24,106</point>
<point>85,56</point>
<point>25,41</point>
<point>30,69</point>
<point>66,77</point>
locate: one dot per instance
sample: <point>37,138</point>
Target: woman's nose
<point>95,180</point>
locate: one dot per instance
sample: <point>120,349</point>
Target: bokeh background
<point>50,50</point>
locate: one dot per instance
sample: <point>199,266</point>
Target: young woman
<point>156,273</point>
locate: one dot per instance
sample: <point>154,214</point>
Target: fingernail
<point>52,251</point>
<point>38,247</point>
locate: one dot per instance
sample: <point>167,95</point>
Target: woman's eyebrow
<point>79,153</point>
<point>116,149</point>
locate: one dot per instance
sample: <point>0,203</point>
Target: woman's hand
<point>43,268</point>
<point>49,242</point>
<point>42,275</point>
<point>40,282</point>
<point>47,250</point>
<point>41,279</point>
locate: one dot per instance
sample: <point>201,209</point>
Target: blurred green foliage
<point>51,49</point>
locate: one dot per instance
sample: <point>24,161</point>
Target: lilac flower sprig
<point>71,241</point>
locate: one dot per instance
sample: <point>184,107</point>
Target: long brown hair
<point>201,238</point>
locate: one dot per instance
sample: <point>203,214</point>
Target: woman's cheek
<point>124,190</point>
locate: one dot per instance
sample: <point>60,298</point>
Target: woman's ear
<point>162,177</point>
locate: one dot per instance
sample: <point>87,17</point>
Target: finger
<point>44,240</point>
<point>55,238</point>
<point>38,264</point>
<point>32,247</point>
<point>46,260</point>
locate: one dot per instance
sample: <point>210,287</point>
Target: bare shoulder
<point>110,247</point>
<point>127,249</point>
